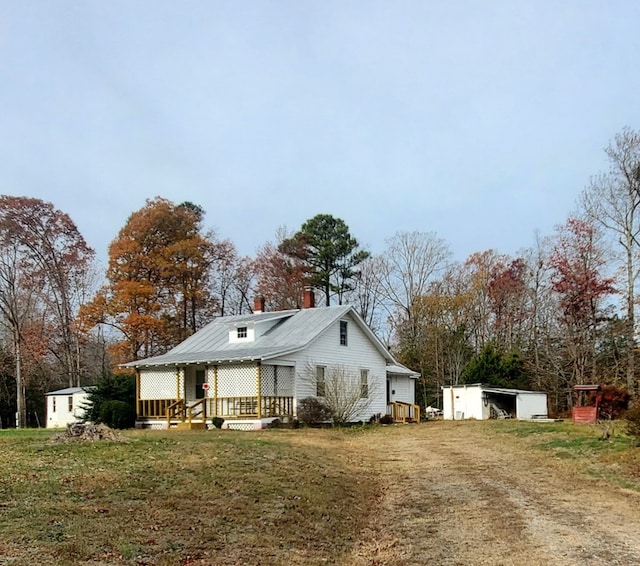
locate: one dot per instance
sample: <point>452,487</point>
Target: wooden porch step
<point>190,426</point>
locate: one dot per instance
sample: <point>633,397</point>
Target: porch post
<point>138,411</point>
<point>258,380</point>
<point>215,390</point>
<point>179,391</point>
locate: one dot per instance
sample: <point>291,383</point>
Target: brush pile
<point>88,432</point>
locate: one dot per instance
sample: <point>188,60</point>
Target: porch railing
<point>225,407</point>
<point>404,412</point>
<point>154,408</point>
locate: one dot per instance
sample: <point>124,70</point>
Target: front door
<point>200,380</point>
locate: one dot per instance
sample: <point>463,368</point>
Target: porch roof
<point>398,369</point>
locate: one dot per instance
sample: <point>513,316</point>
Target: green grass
<point>179,497</point>
<point>615,459</point>
<point>268,497</point>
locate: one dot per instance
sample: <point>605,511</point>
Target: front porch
<point>178,413</point>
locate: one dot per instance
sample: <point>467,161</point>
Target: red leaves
<point>577,261</point>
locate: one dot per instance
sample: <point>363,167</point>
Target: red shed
<point>587,403</point>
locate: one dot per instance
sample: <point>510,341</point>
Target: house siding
<point>62,416</point>
<point>359,353</point>
<point>402,389</point>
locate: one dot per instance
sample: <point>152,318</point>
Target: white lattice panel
<point>277,381</point>
<point>268,382</point>
<point>240,426</point>
<point>158,383</point>
<point>239,380</point>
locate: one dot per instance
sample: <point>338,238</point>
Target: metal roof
<point>287,332</point>
<point>492,389</point>
<point>71,391</point>
<point>399,369</point>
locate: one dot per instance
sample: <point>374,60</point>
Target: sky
<point>480,121</point>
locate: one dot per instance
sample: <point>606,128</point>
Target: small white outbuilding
<point>65,406</point>
<point>481,402</point>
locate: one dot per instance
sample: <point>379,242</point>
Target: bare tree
<point>17,304</point>
<point>367,295</point>
<point>613,200</point>
<point>347,393</point>
<point>410,261</point>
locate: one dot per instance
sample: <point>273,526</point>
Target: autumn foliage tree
<point>280,278</point>
<point>158,279</point>
<point>577,262</point>
<point>44,263</point>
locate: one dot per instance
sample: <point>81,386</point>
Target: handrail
<point>401,411</point>
<point>202,413</point>
<point>177,407</point>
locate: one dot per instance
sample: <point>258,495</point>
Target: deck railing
<point>404,412</point>
<point>225,407</point>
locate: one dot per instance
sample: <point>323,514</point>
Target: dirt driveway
<point>452,497</point>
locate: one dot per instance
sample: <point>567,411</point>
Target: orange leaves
<point>158,278</point>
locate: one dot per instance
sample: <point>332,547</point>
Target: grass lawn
<point>192,497</point>
<point>223,497</point>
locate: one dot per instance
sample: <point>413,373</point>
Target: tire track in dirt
<point>452,498</point>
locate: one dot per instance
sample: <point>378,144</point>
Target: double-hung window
<point>321,382</point>
<point>343,333</point>
<point>364,383</point>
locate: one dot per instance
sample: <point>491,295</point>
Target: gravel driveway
<point>452,495</point>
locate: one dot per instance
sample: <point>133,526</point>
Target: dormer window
<point>241,332</point>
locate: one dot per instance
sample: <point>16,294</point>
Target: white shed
<point>480,402</point>
<point>65,406</point>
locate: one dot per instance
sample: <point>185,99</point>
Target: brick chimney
<point>309,298</point>
<point>258,304</point>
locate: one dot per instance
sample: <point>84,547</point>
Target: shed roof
<point>492,389</point>
<point>70,391</point>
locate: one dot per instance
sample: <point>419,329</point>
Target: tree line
<point>555,315</point>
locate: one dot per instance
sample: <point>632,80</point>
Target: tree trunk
<point>21,401</point>
<point>630,327</point>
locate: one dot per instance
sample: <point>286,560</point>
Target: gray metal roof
<point>289,331</point>
<point>399,369</point>
<point>71,391</point>
<point>492,389</point>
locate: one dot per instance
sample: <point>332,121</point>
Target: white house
<point>251,369</point>
<point>65,406</point>
<point>480,401</point>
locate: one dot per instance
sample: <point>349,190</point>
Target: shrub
<point>110,388</point>
<point>633,422</point>
<point>614,401</point>
<point>386,419</point>
<point>217,422</point>
<point>313,411</point>
<point>117,414</point>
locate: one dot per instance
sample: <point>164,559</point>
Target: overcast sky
<point>478,120</point>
